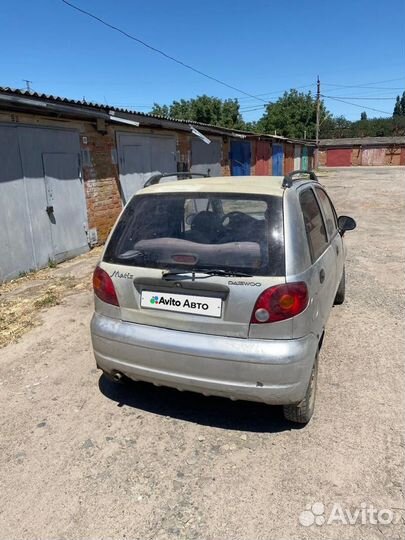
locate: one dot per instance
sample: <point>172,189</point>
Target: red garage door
<point>339,157</point>
<point>262,158</point>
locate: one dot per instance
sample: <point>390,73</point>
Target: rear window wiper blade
<point>185,274</point>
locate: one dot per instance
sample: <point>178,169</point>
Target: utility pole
<point>27,84</point>
<point>318,114</point>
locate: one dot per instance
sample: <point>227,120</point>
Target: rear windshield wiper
<point>185,274</point>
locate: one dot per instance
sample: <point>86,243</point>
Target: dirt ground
<point>83,459</point>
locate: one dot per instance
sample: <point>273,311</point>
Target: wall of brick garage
<point>393,155</point>
<point>225,164</point>
<point>322,157</point>
<point>101,180</point>
<point>356,156</point>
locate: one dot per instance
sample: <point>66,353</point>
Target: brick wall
<point>356,156</point>
<point>252,157</point>
<point>101,181</point>
<point>322,157</point>
<point>183,151</point>
<point>393,155</point>
<point>225,164</point>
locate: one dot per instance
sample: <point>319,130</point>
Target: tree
<point>205,109</point>
<point>363,116</point>
<point>403,104</point>
<point>397,107</point>
<point>292,115</point>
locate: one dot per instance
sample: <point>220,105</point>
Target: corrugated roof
<point>362,141</point>
<point>102,107</point>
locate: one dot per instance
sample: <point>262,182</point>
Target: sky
<point>262,47</point>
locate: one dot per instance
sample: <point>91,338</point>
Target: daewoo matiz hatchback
<point>222,286</point>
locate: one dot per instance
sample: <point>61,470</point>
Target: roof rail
<point>156,178</point>
<point>288,178</point>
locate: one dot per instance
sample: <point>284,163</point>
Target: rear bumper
<point>269,371</point>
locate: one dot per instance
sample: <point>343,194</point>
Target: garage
<point>339,157</point>
<point>289,158</point>
<point>206,158</point>
<point>373,156</point>
<point>240,158</point>
<point>43,213</point>
<point>263,153</point>
<point>140,156</point>
<point>278,159</point>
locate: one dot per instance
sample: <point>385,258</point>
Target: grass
<point>48,300</point>
<point>22,299</point>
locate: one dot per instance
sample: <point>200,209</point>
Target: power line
<point>368,85</point>
<point>366,98</point>
<point>356,105</point>
<point>279,91</point>
<point>169,57</point>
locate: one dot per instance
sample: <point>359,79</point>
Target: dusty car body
<point>222,286</point>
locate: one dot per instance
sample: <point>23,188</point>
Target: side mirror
<point>346,223</point>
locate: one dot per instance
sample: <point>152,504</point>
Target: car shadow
<point>192,407</point>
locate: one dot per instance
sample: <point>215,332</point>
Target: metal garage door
<point>240,158</point>
<point>373,156</point>
<point>289,158</point>
<point>43,213</point>
<point>140,156</point>
<point>206,158</point>
<point>278,158</point>
<point>262,158</point>
<point>338,157</point>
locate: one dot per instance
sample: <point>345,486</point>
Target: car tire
<point>301,413</point>
<point>340,294</point>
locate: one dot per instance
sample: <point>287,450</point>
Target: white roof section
<point>251,185</point>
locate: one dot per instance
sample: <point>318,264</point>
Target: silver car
<point>222,286</point>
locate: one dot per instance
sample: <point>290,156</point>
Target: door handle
<point>322,275</point>
<point>337,250</point>
<point>49,210</point>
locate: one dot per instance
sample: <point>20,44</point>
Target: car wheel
<point>302,412</point>
<point>340,295</point>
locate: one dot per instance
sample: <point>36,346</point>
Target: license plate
<point>182,303</point>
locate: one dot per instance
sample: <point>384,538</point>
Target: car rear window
<point>241,233</point>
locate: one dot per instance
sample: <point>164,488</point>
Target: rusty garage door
<point>339,157</point>
<point>262,158</point>
<point>289,158</point>
<point>373,156</point>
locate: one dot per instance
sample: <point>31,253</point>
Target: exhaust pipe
<point>117,377</point>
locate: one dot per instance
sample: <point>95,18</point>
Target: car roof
<point>251,185</point>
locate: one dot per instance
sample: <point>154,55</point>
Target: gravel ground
<point>82,459</point>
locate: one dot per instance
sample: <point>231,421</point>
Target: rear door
<point>160,233</point>
<point>323,255</point>
<point>335,240</point>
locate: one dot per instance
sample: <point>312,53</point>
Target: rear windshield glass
<point>241,233</point>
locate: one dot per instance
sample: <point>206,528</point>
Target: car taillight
<point>280,302</point>
<point>104,287</point>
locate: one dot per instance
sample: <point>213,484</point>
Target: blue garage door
<point>240,158</point>
<point>278,158</point>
